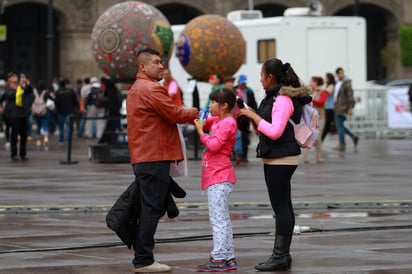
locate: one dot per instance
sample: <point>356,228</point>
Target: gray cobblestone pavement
<point>353,213</point>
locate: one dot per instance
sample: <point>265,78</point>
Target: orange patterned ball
<point>210,44</point>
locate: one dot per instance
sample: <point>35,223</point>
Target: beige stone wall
<point>76,56</point>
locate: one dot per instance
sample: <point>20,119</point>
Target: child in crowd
<point>218,177</point>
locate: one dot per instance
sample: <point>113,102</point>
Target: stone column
<point>76,60</point>
<point>75,55</point>
<point>393,51</point>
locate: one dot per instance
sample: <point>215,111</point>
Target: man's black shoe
<point>24,158</point>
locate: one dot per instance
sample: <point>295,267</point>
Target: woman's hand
<point>251,114</point>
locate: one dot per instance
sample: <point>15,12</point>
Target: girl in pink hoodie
<point>218,177</point>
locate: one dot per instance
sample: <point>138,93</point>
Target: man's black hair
<point>338,69</point>
<point>148,50</point>
<point>11,73</point>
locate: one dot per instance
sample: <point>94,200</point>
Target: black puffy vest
<point>286,145</point>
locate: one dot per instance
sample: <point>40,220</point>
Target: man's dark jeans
<point>342,130</point>
<point>153,180</point>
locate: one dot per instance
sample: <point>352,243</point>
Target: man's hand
<point>195,111</point>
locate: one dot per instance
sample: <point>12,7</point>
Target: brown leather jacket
<point>152,120</point>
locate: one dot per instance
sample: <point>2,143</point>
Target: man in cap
<point>247,95</point>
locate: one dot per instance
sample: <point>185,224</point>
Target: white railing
<point>371,115</point>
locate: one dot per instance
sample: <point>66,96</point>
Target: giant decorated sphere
<point>210,44</point>
<point>124,29</point>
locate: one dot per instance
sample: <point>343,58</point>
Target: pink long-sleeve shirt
<point>219,143</point>
<point>281,112</point>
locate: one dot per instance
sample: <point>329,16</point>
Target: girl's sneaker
<point>231,264</point>
<point>212,266</point>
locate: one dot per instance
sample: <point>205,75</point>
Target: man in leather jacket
<point>154,143</point>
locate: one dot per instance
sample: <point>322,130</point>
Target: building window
<point>266,50</point>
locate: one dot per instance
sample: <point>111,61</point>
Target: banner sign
<point>399,109</point>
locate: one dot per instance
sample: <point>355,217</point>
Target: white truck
<point>313,45</point>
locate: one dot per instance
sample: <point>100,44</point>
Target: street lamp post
<point>251,5</point>
<point>356,8</point>
<point>50,40</point>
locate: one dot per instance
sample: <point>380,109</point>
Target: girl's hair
<point>283,73</point>
<point>224,95</point>
<point>318,80</point>
<point>331,79</point>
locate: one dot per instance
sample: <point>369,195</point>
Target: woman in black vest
<point>278,149</point>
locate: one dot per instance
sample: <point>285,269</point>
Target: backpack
<point>96,98</point>
<point>307,130</point>
<point>39,107</point>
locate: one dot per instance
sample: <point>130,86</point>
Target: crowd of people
<point>91,101</point>
<point>92,105</point>
<point>334,101</point>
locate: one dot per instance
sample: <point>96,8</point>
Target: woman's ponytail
<point>290,78</point>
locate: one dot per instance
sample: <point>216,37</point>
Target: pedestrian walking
<point>41,113</point>
<point>319,97</point>
<point>2,89</point>
<point>84,91</point>
<point>154,143</point>
<point>3,120</point>
<point>18,98</point>
<point>343,107</point>
<point>96,103</point>
<point>237,155</point>
<point>284,99</point>
<point>247,95</point>
<point>218,177</point>
<point>114,103</point>
<point>216,82</point>
<point>329,105</point>
<point>66,102</point>
<point>172,87</point>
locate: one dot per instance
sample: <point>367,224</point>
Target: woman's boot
<point>280,259</point>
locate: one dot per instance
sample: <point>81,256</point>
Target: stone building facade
<point>75,19</point>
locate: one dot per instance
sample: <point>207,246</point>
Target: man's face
<point>13,81</point>
<point>242,85</point>
<point>23,80</point>
<point>153,68</point>
<point>229,84</point>
<point>214,80</point>
<point>340,75</point>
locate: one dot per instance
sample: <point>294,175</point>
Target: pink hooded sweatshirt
<point>219,143</point>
